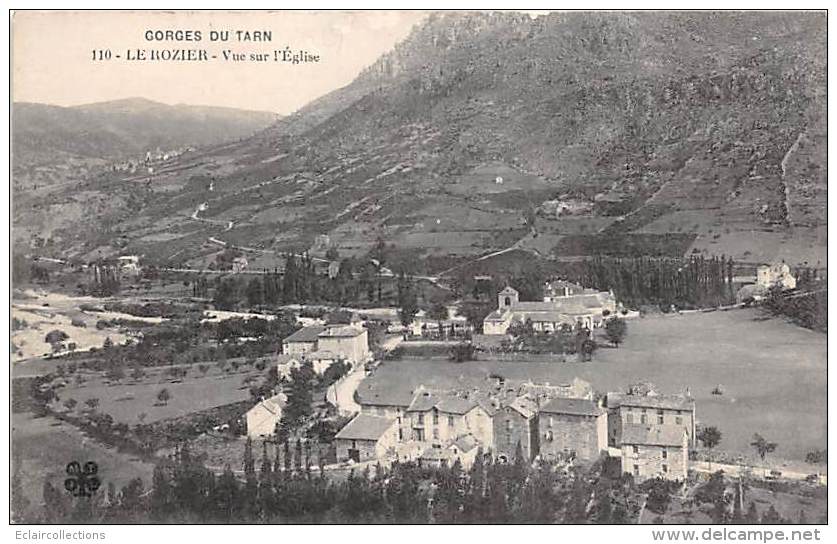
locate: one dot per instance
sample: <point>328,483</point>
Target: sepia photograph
<point>379,267</point>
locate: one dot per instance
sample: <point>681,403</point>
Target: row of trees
<point>696,282</point>
<point>301,281</point>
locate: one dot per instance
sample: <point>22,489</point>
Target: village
<point>351,389</point>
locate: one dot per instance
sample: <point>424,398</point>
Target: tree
<point>762,446</point>
<point>163,396</point>
<point>92,403</point>
<point>709,437</point>
<point>616,329</point>
<point>407,301</point>
<point>438,312</point>
<point>55,337</point>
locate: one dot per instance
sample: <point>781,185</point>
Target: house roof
<point>273,404</point>
<point>575,407</point>
<point>508,290</point>
<point>670,402</point>
<point>365,427</point>
<point>497,315</point>
<point>525,406</point>
<point>306,334</point>
<point>345,331</point>
<point>653,435</point>
<point>446,402</point>
<point>370,393</point>
<point>571,305</point>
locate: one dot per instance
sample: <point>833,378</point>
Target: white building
<point>263,417</point>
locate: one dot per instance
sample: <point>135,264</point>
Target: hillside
<point>666,133</point>
<point>54,149</point>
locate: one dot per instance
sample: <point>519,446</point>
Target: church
<point>564,305</point>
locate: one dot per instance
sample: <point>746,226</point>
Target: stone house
<point>302,341</point>
<point>516,423</point>
<point>438,417</point>
<point>649,408</point>
<point>572,427</point>
<point>264,416</point>
<point>347,342</point>
<point>366,437</point>
<point>650,451</point>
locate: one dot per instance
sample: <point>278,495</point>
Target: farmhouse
<point>650,451</point>
<point>560,308</point>
<point>572,428</point>
<point>366,437</point>
<point>263,417</point>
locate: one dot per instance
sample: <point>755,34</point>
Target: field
<point>42,447</point>
<point>195,393</point>
<point>773,374</point>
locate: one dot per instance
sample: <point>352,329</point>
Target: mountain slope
<point>676,132</point>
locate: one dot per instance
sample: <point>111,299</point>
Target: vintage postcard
<point>419,267</point>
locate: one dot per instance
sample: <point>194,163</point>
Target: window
<point>665,453</point>
<point>644,417</point>
<point>398,419</point>
<point>400,434</point>
<point>421,419</point>
<point>509,439</point>
<point>450,421</point>
<point>435,434</point>
<point>435,417</point>
<point>550,422</point>
<point>549,436</point>
<point>630,418</point>
<point>660,417</point>
<point>665,469</point>
<point>636,470</point>
<point>508,425</point>
<point>679,420</point>
<point>636,449</point>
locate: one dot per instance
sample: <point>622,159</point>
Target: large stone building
<point>572,428</point>
<point>322,346</point>
<point>347,342</point>
<point>651,451</point>
<point>439,417</point>
<point>560,308</point>
<point>647,407</point>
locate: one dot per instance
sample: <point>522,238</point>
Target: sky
<point>53,56</point>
